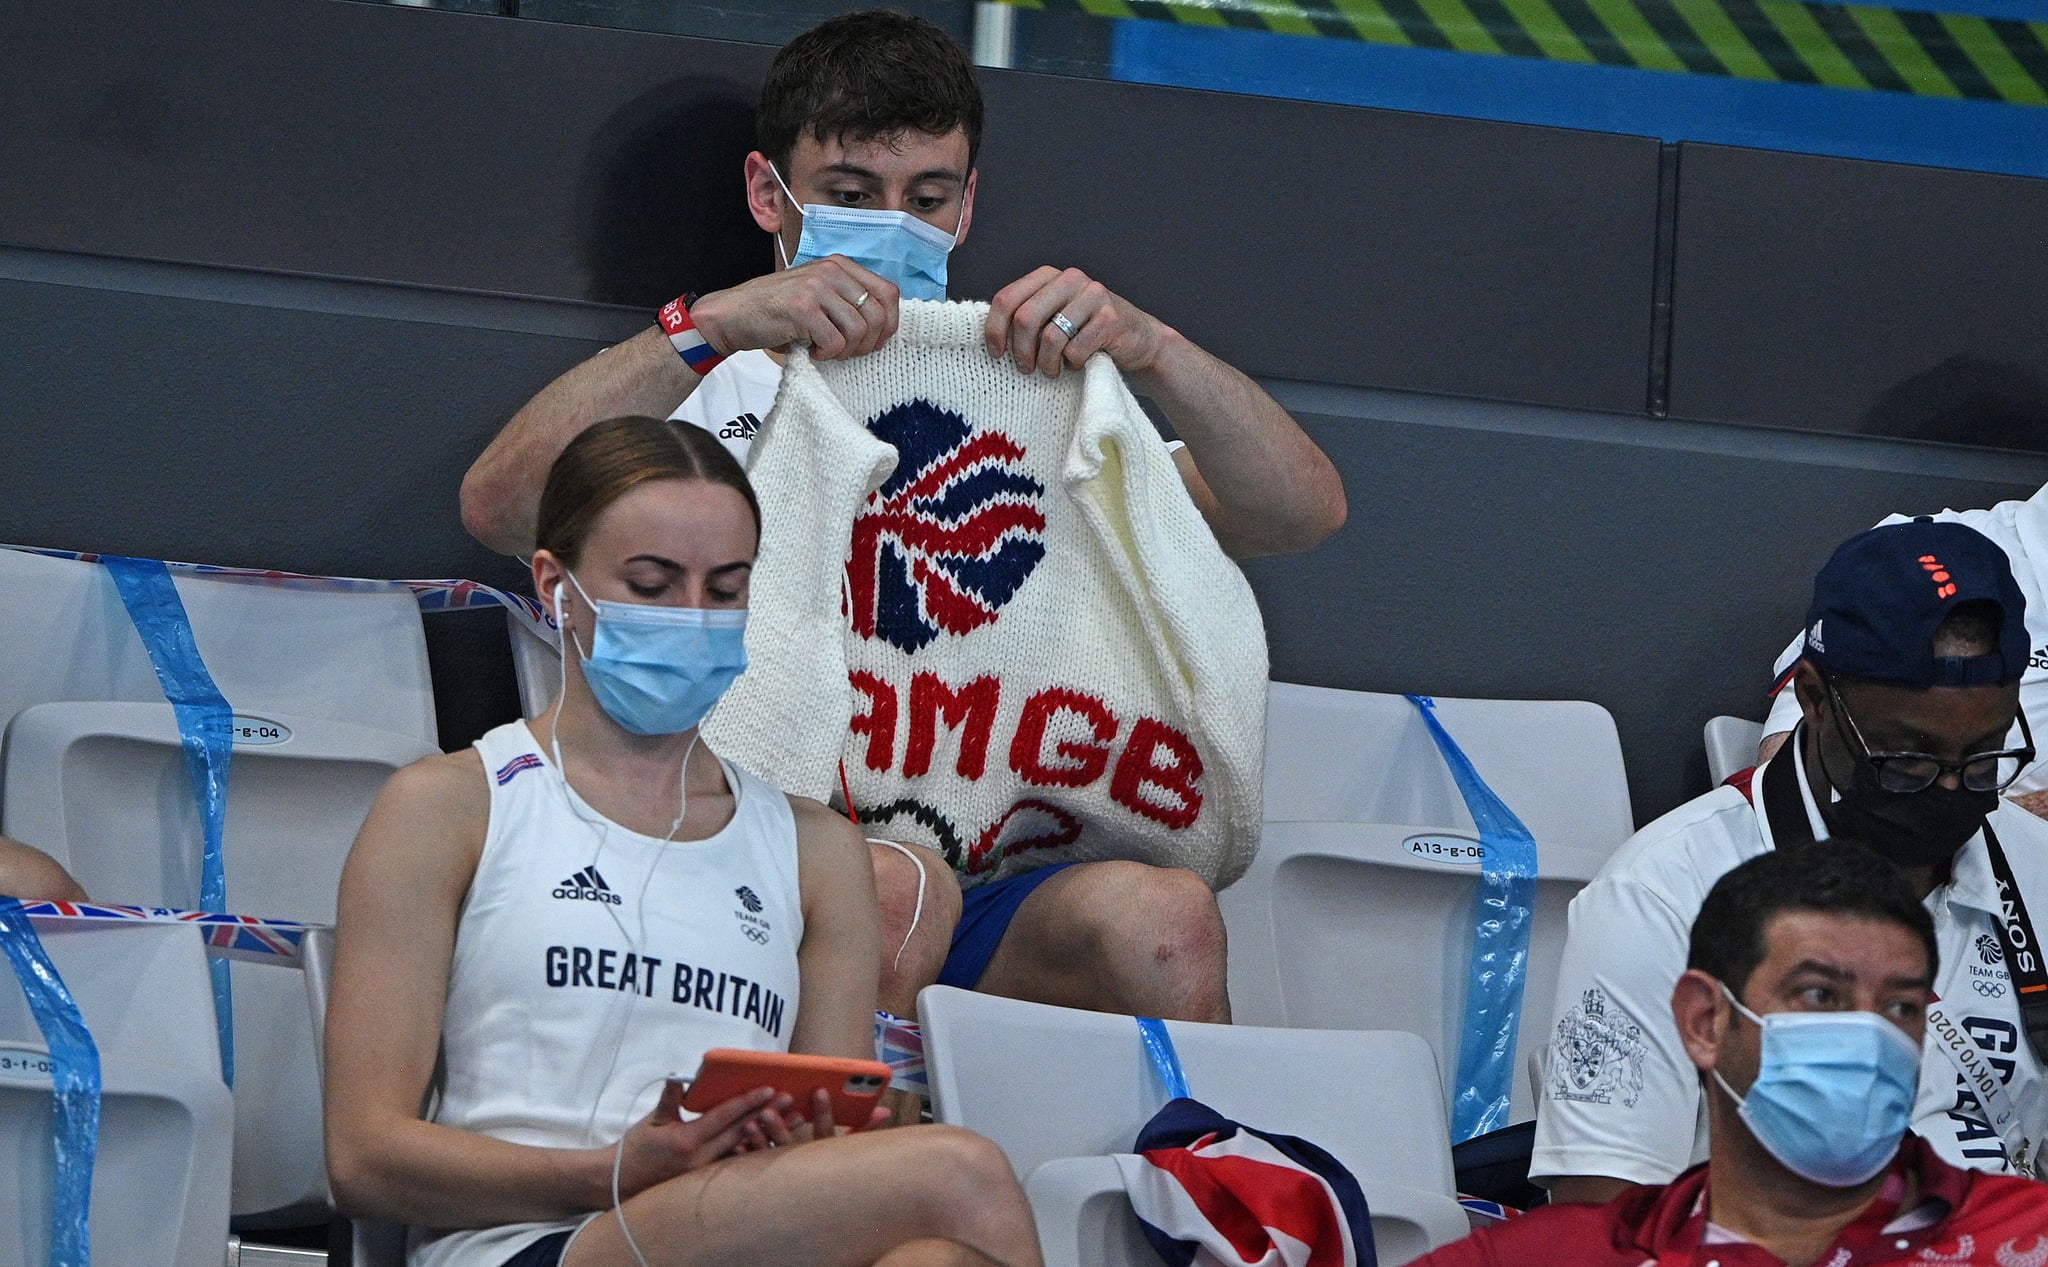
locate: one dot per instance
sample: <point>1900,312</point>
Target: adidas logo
<point>740,428</point>
<point>587,886</point>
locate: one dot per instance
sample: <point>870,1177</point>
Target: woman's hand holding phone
<point>826,1088</point>
<point>662,1145</point>
<point>773,1129</point>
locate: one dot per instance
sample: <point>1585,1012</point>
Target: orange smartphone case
<point>728,1072</point>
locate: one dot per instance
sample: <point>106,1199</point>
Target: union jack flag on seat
<point>1210,1192</point>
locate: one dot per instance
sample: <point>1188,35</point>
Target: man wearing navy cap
<point>2020,528</point>
<point>1908,689</point>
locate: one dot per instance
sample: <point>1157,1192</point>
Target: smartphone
<point>727,1072</point>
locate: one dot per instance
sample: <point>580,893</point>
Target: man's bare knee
<point>1159,932</point>
<point>915,940</point>
<point>896,892</point>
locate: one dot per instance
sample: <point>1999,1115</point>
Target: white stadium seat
<point>1731,746</point>
<point>1357,911</point>
<point>161,1173</point>
<point>331,693</point>
<point>348,656</point>
<point>535,663</point>
<point>1060,1090</point>
<point>372,1244</point>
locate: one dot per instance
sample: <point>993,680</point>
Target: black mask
<point>1910,829</point>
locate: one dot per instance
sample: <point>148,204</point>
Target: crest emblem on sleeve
<point>1598,1056</point>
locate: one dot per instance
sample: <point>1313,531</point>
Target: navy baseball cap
<point>1882,595</point>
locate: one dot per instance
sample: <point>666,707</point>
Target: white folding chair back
<point>1357,912</point>
<point>350,656</point>
<point>1362,757</point>
<point>372,1244</point>
<point>103,788</point>
<point>1059,1090</point>
<point>331,694</point>
<point>536,664</point>
<point>161,1173</point>
<point>1731,746</point>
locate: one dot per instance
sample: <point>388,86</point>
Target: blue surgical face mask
<point>658,670</point>
<point>891,244</point>
<point>1833,1094</point>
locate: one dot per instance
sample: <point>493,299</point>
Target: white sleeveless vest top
<point>591,960</point>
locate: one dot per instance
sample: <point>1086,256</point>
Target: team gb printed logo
<point>948,539</point>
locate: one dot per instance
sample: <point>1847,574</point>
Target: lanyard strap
<point>1159,1046</point>
<point>2022,949</point>
<point>204,725</point>
<point>1993,1097</point>
<point>75,1083</point>
<point>1783,807</point>
<point>1503,911</point>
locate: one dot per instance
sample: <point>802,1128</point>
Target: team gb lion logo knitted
<point>991,596</point>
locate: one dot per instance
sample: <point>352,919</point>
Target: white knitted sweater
<point>1034,650</point>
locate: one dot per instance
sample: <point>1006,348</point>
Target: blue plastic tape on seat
<point>1159,1046</point>
<point>204,724</point>
<point>76,1084</point>
<point>1500,944</point>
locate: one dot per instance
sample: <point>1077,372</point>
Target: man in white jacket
<point>1908,686</point>
<point>869,125</point>
<point>2020,528</point>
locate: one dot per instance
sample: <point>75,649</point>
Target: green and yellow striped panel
<point>1785,41</point>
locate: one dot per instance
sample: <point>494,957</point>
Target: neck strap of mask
<point>2023,963</point>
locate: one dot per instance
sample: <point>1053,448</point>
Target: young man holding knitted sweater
<point>878,115</point>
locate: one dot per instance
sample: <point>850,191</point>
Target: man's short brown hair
<point>868,76</point>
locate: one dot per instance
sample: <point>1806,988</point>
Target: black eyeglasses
<point>1917,771</point>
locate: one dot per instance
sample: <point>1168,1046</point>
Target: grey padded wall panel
<point>1320,242</point>
<point>357,140</point>
<point>371,141</point>
<point>1850,296</point>
<point>256,436</point>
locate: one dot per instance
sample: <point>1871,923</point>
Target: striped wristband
<point>688,341</point>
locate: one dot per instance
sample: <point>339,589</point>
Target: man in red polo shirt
<point>1802,1007</point>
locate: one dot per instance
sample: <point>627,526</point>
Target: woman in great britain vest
<point>578,907</point>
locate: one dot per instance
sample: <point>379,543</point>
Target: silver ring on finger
<point>862,300</point>
<point>1066,326</point>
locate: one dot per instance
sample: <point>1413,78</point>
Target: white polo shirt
<point>2021,530</point>
<point>732,400</point>
<point>1621,1097</point>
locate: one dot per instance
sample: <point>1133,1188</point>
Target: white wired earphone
<point>633,944</point>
